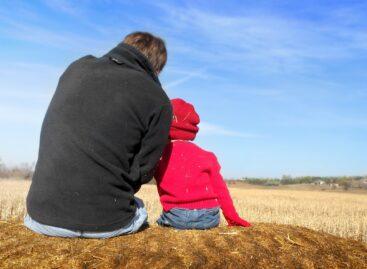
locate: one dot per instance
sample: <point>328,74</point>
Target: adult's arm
<point>152,145</point>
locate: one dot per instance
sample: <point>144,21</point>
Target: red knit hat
<point>184,122</point>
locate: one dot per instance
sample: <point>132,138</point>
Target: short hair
<point>151,46</point>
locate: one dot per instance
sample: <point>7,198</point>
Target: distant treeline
<point>25,171</point>
<point>22,171</point>
<point>287,180</point>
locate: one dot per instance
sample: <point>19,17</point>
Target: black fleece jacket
<point>103,133</point>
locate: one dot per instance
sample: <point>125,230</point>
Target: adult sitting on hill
<point>101,138</point>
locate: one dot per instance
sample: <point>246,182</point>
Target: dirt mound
<point>262,246</point>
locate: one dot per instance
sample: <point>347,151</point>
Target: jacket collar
<point>126,54</point>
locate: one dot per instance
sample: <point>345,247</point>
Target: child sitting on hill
<point>189,182</point>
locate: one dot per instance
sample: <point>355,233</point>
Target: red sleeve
<point>224,197</point>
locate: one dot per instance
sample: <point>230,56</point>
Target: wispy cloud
<point>81,12</point>
<point>59,39</point>
<point>184,77</point>
<point>253,91</point>
<point>37,83</point>
<point>63,6</point>
<point>264,41</point>
<point>35,27</point>
<point>12,68</point>
<point>213,129</point>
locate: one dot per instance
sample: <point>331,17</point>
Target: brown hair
<point>151,46</point>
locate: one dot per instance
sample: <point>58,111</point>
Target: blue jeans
<point>139,220</point>
<point>184,219</point>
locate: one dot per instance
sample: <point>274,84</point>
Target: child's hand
<point>239,222</point>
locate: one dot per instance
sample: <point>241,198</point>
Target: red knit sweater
<point>189,177</point>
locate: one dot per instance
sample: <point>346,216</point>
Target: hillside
<point>262,246</point>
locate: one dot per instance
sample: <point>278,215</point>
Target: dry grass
<point>262,246</point>
<point>341,214</point>
<point>12,198</point>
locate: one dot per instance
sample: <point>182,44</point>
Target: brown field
<point>268,244</point>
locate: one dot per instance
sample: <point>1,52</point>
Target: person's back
<point>103,133</point>
<point>189,182</point>
<point>184,177</point>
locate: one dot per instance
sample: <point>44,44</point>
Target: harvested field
<point>340,213</point>
<point>265,245</point>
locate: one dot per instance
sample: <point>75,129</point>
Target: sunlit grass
<point>343,214</point>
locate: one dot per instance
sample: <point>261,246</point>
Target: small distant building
<point>320,182</point>
<point>334,185</point>
<point>364,183</point>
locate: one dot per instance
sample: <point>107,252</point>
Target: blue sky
<point>280,85</point>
